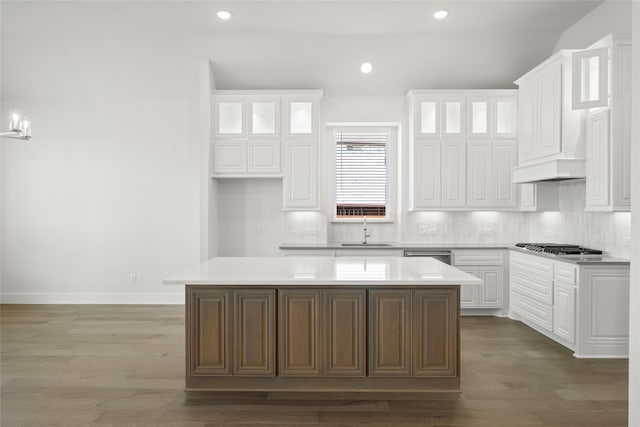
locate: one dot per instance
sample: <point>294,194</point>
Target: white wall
<point>612,16</point>
<point>109,184</point>
<point>634,300</point>
<point>250,217</point>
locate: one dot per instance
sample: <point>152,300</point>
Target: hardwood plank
<point>55,373</point>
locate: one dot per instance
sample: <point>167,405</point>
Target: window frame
<point>392,161</point>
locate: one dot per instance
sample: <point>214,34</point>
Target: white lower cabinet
<point>584,307</point>
<point>564,311</point>
<point>485,264</point>
<point>469,293</point>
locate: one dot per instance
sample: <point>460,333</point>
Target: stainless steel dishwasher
<point>439,254</point>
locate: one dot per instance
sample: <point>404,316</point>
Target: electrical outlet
<point>133,278</point>
<point>423,230</point>
<point>627,242</point>
<point>486,230</point>
<point>310,231</point>
<point>260,230</point>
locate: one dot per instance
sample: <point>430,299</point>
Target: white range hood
<point>560,169</point>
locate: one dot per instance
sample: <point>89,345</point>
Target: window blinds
<point>361,173</point>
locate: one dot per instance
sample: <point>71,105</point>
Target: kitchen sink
<point>365,244</point>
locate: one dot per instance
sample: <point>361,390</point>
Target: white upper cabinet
<point>597,182</point>
<point>301,116</point>
<point>479,118</point>
<point>453,110</point>
<point>454,173</point>
<point>479,174</point>
<point>300,184</point>
<point>607,91</point>
<point>250,129</point>
<point>463,146</point>
<point>591,78</point>
<point>264,117</point>
<point>505,117</point>
<point>427,174</point>
<point>229,117</point>
<point>505,156</point>
<point>426,117</point>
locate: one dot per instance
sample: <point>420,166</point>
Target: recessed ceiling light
<point>441,14</point>
<point>366,68</point>
<point>224,15</point>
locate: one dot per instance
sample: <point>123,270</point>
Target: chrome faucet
<point>365,231</point>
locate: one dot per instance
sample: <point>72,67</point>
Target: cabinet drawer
<point>532,265</point>
<point>478,257</point>
<point>307,252</point>
<point>565,273</point>
<point>539,314</point>
<point>538,290</point>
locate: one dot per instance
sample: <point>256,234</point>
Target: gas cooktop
<point>559,248</point>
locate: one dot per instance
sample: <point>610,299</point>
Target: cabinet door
<point>299,183</point>
<point>454,120</point>
<point>344,332</point>
<point>564,311</point>
<point>528,123</point>
<point>435,338</point>
<point>479,117</point>
<point>549,110</point>
<point>454,173</point>
<point>389,333</point>
<point>229,117</point>
<point>469,293</point>
<point>264,117</point>
<point>426,170</point>
<point>263,156</point>
<point>590,77</point>
<point>504,159</point>
<point>479,173</point>
<point>505,115</point>
<point>299,344</point>
<point>426,117</point>
<point>598,181</point>
<point>254,333</point>
<point>230,157</point>
<point>491,293</point>
<point>301,117</point>
<point>209,339</point>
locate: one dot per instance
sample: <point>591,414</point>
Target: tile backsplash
<point>609,232</point>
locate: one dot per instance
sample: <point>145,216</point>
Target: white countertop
<point>397,245</point>
<point>325,271</point>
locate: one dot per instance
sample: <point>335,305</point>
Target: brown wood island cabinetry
<point>361,338</point>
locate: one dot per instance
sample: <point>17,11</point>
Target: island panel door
<point>299,345</point>
<point>209,339</point>
<point>435,326</point>
<point>344,332</point>
<point>389,333</point>
<point>253,332</point>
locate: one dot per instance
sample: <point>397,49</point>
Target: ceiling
<point>320,44</point>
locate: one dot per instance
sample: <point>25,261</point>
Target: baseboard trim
<point>91,298</point>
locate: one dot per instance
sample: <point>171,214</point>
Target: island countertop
<point>322,271</point>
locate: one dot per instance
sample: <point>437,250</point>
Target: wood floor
<point>124,365</point>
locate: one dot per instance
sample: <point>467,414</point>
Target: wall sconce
<point>19,127</point>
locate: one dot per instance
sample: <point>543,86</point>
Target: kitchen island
<point>353,324</point>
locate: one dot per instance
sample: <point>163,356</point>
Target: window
<point>362,172</point>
